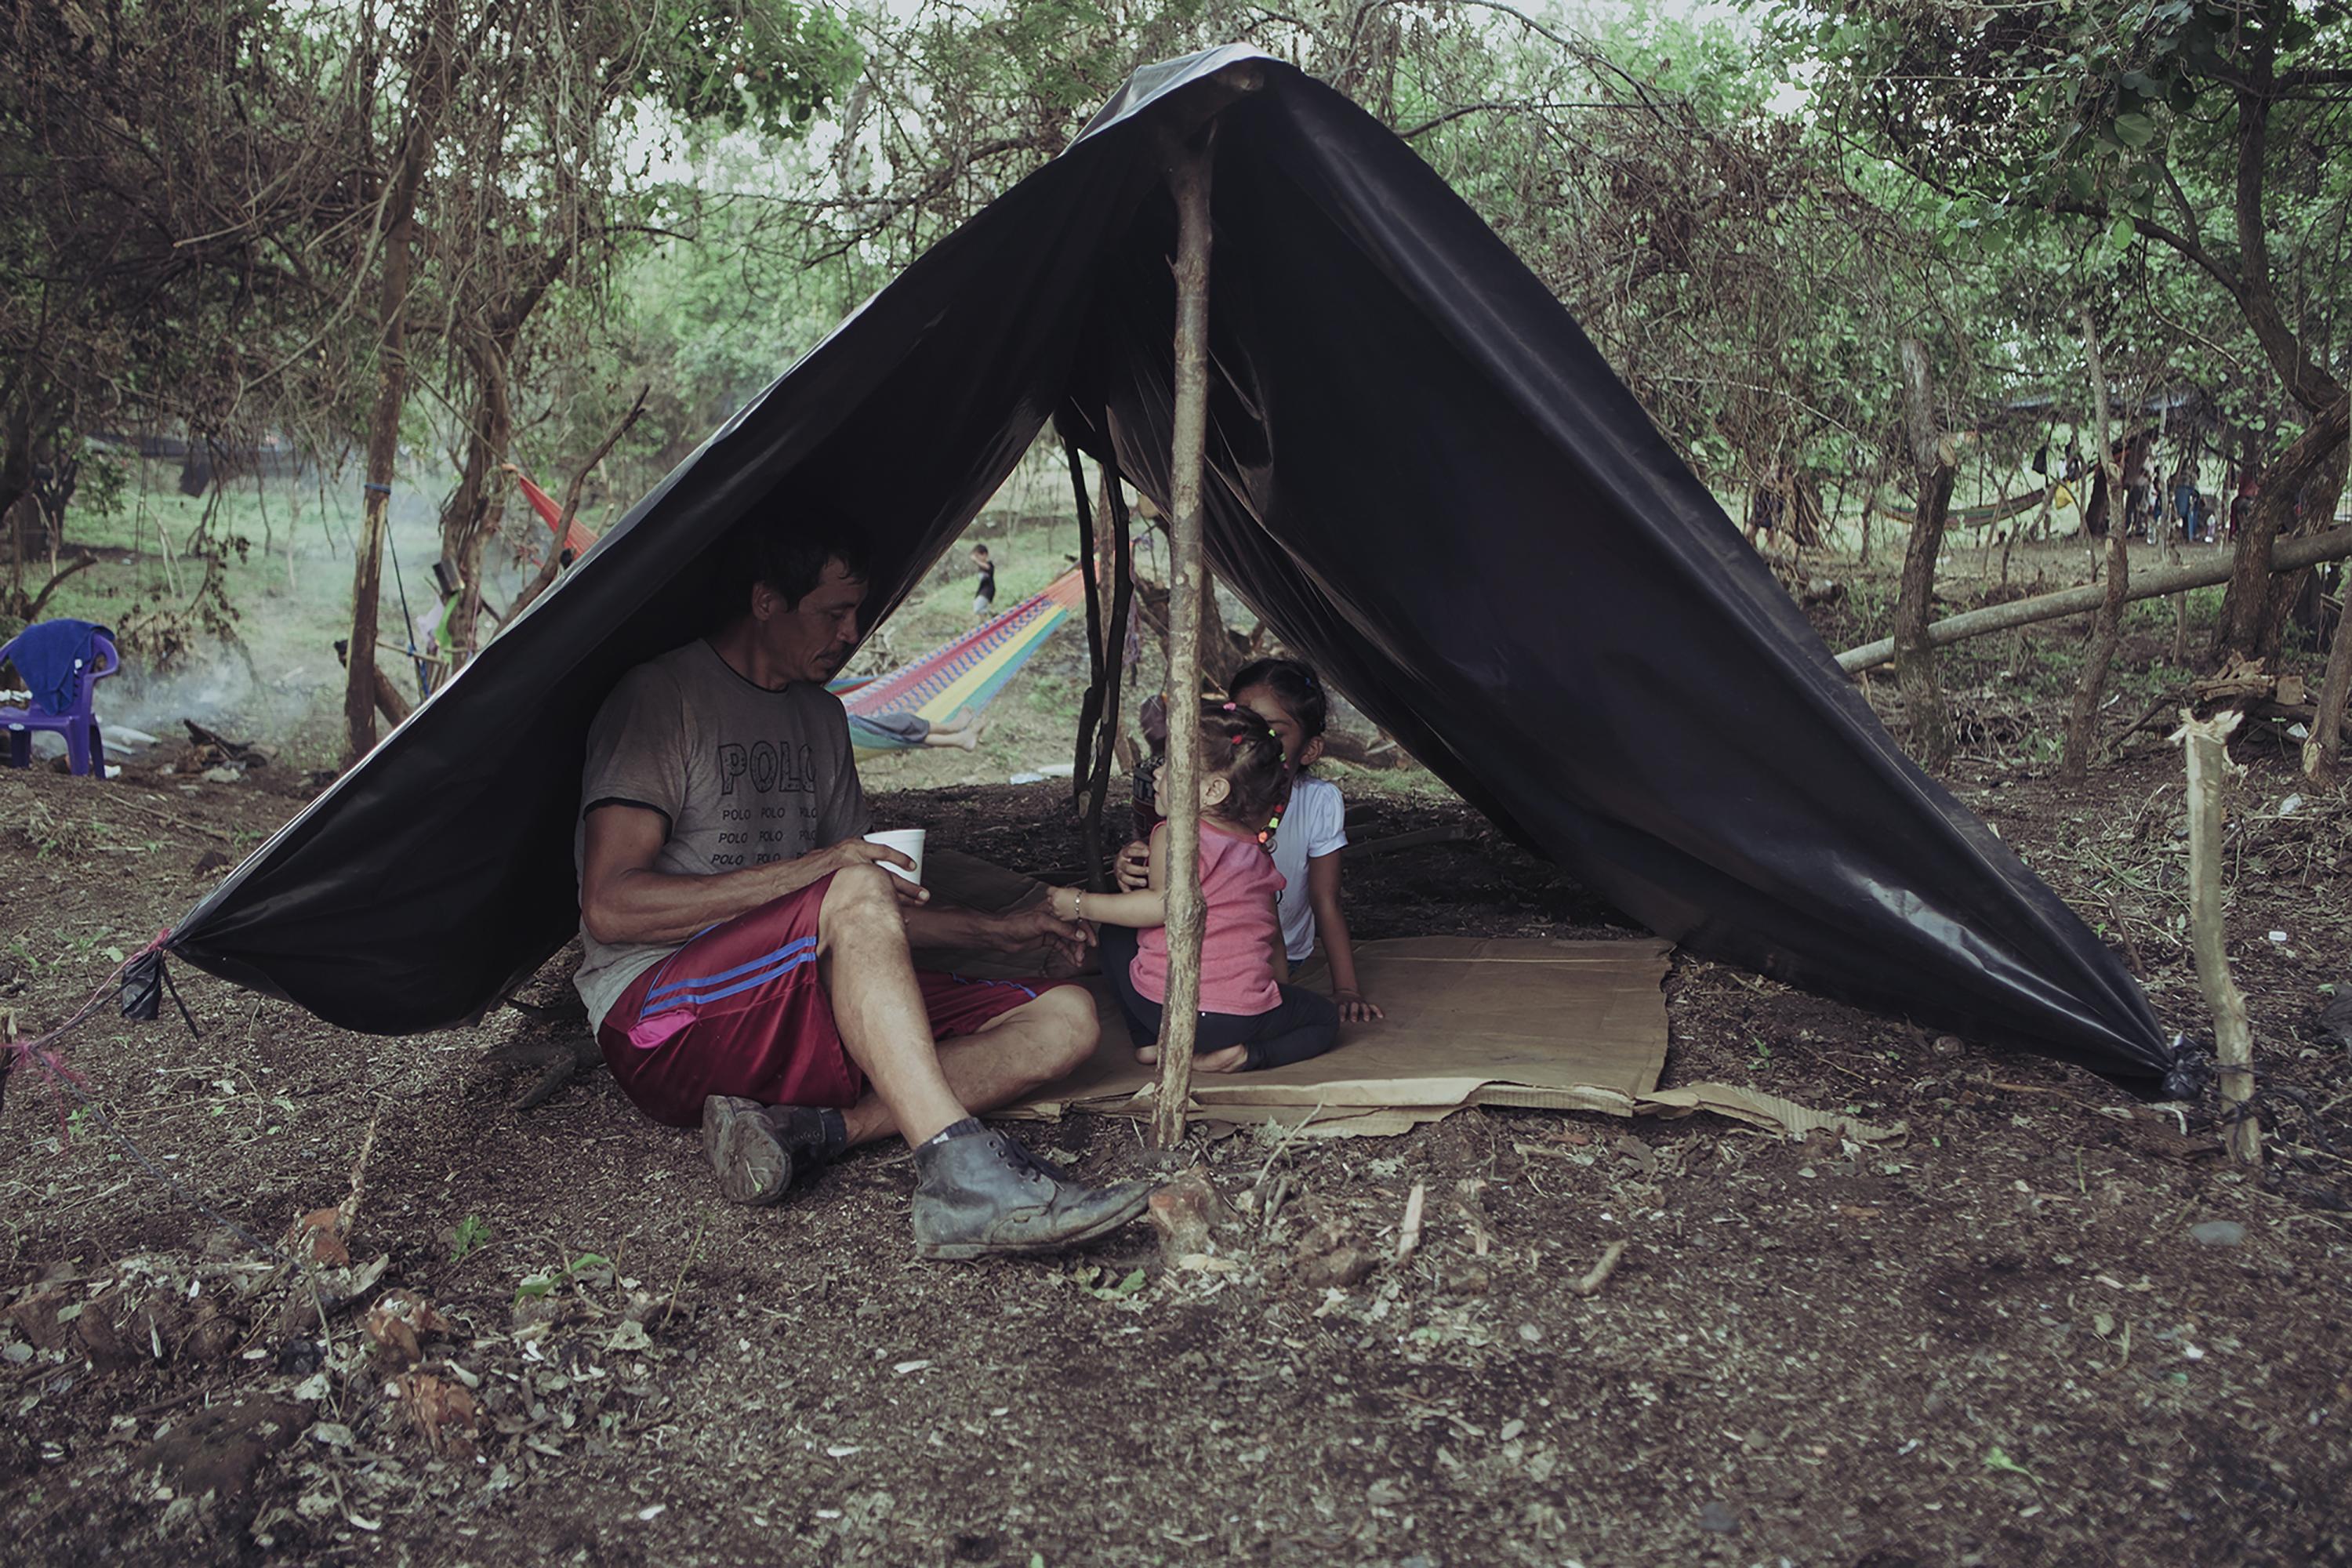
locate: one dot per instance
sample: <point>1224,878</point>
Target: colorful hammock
<point>577,538</point>
<point>1996,511</point>
<point>963,675</point>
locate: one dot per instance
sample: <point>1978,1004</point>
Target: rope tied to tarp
<point>2191,1071</point>
<point>139,981</point>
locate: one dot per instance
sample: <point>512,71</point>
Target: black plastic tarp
<point>1425,478</point>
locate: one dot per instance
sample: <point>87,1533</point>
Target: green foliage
<point>768,67</point>
<point>470,1233</point>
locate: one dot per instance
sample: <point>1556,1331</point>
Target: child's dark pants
<point>1304,1026</point>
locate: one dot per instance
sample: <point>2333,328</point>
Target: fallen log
<point>2288,556</point>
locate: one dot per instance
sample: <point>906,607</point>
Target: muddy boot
<point>756,1149</point>
<point>979,1191</point>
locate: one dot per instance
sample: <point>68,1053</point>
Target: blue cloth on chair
<point>50,654</point>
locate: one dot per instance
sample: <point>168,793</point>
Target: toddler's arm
<point>1144,908</point>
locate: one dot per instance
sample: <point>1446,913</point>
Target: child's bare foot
<point>1232,1059</point>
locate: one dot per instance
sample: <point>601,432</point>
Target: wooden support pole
<point>1188,179</point>
<point>1122,606</point>
<point>2233,1045</point>
<point>1090,707</point>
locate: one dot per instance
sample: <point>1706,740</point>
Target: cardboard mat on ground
<point>1567,1026</point>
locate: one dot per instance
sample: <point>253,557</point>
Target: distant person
<point>2140,513</point>
<point>2241,506</point>
<point>983,598</point>
<point>2184,504</point>
<point>914,730</point>
<point>1251,1018</point>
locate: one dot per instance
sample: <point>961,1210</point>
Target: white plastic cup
<point>907,841</point>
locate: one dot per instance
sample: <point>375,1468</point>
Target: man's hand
<point>1132,869</point>
<point>858,852</point>
<point>1017,931</point>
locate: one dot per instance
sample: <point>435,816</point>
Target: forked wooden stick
<point>2206,742</point>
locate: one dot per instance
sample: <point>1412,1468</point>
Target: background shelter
<point>1422,476</point>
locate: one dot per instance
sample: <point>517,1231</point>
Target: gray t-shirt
<point>745,776</point>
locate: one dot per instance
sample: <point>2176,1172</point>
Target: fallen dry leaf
<point>401,1322</point>
<point>319,1233</point>
<point>444,1414</point>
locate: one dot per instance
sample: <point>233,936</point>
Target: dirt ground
<point>2047,1326</point>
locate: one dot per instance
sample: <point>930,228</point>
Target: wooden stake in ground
<point>1935,462</point>
<point>2083,722</point>
<point>2233,1044</point>
<point>1188,178</point>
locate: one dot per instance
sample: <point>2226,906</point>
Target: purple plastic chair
<point>85,747</point>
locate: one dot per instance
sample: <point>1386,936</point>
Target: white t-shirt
<point>1315,826</point>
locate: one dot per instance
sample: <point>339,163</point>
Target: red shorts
<point>739,1010</point>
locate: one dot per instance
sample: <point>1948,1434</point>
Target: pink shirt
<point>1238,883</point>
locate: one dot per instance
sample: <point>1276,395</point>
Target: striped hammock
<point>577,538</point>
<point>961,676</point>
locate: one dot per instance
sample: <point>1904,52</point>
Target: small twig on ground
<point>347,1212</point>
<point>1409,1231</point>
<point>1274,1202</point>
<point>1281,1144</point>
<point>679,1283</point>
<point>1472,1211</point>
<point>1590,1284</point>
<point>168,820</point>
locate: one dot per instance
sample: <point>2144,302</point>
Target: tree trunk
<point>476,510</point>
<point>2083,722</point>
<point>429,93</point>
<point>2324,747</point>
<point>2245,607</point>
<point>383,457</point>
<point>2325,744</point>
<point>2289,590</point>
<point>16,491</point>
<point>1180,1012</point>
<point>1936,464</point>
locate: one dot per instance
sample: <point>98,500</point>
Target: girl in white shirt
<point>1289,697</point>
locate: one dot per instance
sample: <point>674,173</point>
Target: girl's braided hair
<point>1238,746</point>
<point>1295,684</point>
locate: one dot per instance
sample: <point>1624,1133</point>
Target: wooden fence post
<point>2206,742</point>
<point>1188,179</point>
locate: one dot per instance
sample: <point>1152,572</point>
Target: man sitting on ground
<point>747,957</point>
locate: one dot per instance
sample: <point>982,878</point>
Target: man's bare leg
<point>1010,1055</point>
<point>877,1008</point>
<point>976,1191</point>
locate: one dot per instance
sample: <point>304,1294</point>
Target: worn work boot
<point>981,1192</point>
<point>756,1149</point>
